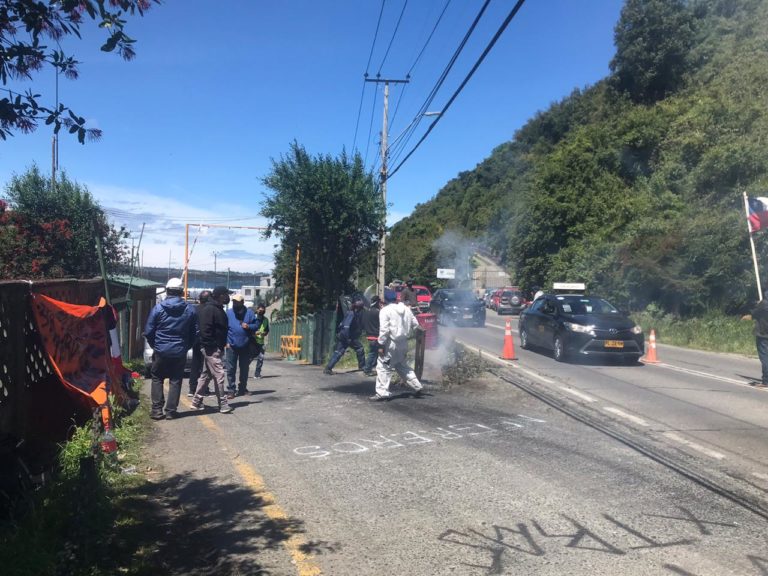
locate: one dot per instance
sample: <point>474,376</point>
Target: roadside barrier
<point>509,345</point>
<point>650,356</point>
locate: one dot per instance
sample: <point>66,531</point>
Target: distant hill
<point>203,278</point>
<point>633,185</point>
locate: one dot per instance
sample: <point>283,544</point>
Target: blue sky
<point>219,89</point>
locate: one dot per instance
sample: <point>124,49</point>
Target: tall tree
<point>653,39</point>
<point>333,209</point>
<point>24,26</point>
<point>54,229</point>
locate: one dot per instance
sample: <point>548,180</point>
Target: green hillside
<point>633,185</point>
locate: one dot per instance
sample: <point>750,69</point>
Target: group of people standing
<point>387,326</point>
<point>222,342</point>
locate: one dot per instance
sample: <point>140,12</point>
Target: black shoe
<point>369,373</point>
<point>170,415</point>
<point>157,415</point>
<point>243,393</point>
<point>329,372</point>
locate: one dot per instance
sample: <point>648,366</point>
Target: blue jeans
<point>762,353</point>
<point>237,358</point>
<point>373,355</point>
<point>341,346</point>
<point>258,353</point>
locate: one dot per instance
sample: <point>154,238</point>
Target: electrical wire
<point>367,66</point>
<point>479,61</point>
<point>391,40</point>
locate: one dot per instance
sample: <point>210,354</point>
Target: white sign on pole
<point>448,273</point>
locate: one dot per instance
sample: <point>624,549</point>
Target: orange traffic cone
<point>650,356</point>
<point>509,345</point>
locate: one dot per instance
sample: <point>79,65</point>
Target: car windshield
<point>461,295</point>
<point>422,292</point>
<point>585,305</point>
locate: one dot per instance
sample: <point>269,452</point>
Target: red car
<point>509,299</point>
<point>423,296</point>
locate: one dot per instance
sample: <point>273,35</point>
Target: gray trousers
<point>213,370</point>
<point>166,367</point>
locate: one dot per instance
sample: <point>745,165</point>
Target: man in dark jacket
<point>371,327</point>
<point>170,330</point>
<point>408,296</point>
<point>242,325</point>
<point>197,354</point>
<point>760,316</point>
<point>347,337</point>
<point>213,341</point>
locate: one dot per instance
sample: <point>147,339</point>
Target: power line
<point>367,66</point>
<point>391,40</point>
<point>488,48</point>
<point>441,79</point>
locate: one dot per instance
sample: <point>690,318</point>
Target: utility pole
<point>382,254</point>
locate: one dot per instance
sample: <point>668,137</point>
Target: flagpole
<point>754,254</point>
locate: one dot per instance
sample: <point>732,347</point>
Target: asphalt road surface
<point>539,468</point>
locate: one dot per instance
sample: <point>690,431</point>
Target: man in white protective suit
<point>396,322</point>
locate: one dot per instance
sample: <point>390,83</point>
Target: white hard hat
<point>174,284</point>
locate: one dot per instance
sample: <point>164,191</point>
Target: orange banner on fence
<point>75,339</point>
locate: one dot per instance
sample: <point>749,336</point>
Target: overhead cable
<point>367,66</point>
<point>488,48</point>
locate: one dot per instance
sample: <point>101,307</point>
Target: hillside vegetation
<point>633,185</point>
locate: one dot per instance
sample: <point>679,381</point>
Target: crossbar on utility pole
<point>382,253</point>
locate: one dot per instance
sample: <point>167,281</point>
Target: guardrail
<point>315,332</point>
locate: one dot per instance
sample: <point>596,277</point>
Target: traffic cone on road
<point>650,356</point>
<point>509,345</point>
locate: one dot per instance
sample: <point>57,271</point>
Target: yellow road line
<point>295,543</point>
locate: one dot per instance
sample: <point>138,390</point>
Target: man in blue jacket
<point>171,330</point>
<point>242,325</point>
<point>349,331</point>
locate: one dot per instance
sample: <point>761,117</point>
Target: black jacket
<point>213,326</point>
<point>760,316</point>
<point>371,322</point>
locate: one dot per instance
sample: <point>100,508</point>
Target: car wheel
<point>558,349</point>
<point>524,344</point>
<point>630,360</point>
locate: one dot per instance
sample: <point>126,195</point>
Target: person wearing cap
<point>349,330</point>
<point>408,296</point>
<point>171,329</point>
<point>396,322</point>
<point>259,337</point>
<point>242,325</point>
<point>371,327</point>
<point>213,341</point>
<point>197,354</point>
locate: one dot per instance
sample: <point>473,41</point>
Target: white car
<point>149,353</point>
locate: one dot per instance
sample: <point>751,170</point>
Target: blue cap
<point>390,295</point>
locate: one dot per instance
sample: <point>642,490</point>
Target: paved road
<point>511,474</point>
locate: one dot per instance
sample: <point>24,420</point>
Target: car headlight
<point>636,330</point>
<point>580,328</point>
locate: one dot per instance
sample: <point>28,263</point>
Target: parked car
<point>149,353</point>
<point>457,307</point>
<point>574,324</point>
<point>511,300</point>
<point>487,296</point>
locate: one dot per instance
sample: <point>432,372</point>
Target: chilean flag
<point>758,213</point>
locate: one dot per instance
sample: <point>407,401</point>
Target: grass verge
<point>69,526</point>
<point>714,332</point>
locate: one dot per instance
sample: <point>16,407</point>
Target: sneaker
<point>157,416</point>
<point>190,394</point>
<point>243,393</point>
<point>257,376</point>
<point>170,415</point>
<point>197,403</point>
<point>225,408</point>
<point>329,372</point>
<point>369,373</point>
<point>230,395</point>
<point>378,398</point>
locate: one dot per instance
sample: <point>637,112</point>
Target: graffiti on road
<point>617,538</point>
<point>434,436</point>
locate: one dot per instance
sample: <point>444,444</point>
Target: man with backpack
<point>349,331</point>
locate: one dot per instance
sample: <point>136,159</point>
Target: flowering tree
<point>24,27</point>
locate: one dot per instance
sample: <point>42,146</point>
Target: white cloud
<point>165,219</point>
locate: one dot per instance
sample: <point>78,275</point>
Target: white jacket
<point>396,322</point>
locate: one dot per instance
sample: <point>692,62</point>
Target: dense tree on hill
<point>25,27</point>
<point>333,209</point>
<point>50,232</point>
<point>638,190</point>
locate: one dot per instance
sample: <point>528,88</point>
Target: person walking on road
<point>396,322</point>
<point>350,329</point>
<point>760,316</point>
<point>197,354</point>
<point>371,327</point>
<point>213,340</point>
<point>171,329</point>
<point>242,326</point>
<point>259,337</point>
